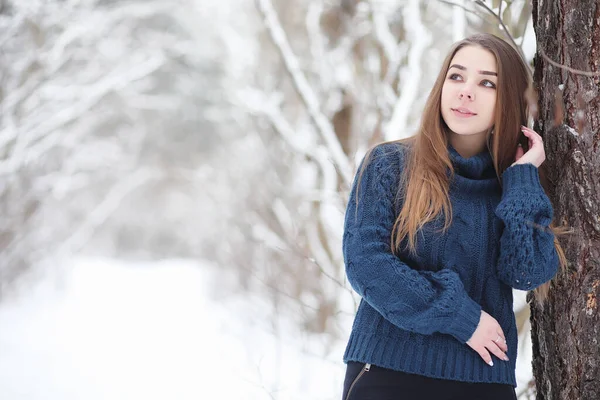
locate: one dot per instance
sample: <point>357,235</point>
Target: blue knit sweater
<point>418,312</point>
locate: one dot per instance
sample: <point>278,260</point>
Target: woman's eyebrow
<point>465,68</point>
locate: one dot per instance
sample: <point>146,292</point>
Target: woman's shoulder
<point>391,153</point>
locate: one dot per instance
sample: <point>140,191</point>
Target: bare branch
<point>468,10</point>
<point>104,209</point>
<point>459,22</point>
<point>571,70</point>
<point>384,35</point>
<point>47,129</point>
<point>304,90</point>
<point>504,28</point>
<point>420,38</point>
<point>316,38</point>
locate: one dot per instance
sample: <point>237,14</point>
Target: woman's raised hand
<point>489,339</point>
<point>536,154</point>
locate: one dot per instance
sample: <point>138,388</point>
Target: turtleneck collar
<point>475,174</point>
<point>475,167</point>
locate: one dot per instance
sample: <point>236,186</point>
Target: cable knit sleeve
<point>424,302</point>
<point>527,254</point>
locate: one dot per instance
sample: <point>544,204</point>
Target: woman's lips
<point>462,114</point>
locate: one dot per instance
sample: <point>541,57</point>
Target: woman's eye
<point>487,83</point>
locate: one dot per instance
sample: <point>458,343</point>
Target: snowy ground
<point>112,330</point>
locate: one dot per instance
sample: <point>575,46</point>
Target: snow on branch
<point>261,104</point>
<point>305,92</point>
<point>420,37</point>
<point>384,35</point>
<point>47,129</point>
<point>316,39</point>
<point>393,50</point>
<point>459,21</point>
<point>105,208</point>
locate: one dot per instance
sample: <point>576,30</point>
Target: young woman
<point>439,228</point>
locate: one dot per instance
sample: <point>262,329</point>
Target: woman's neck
<point>468,145</point>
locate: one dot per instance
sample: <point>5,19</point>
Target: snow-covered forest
<point>173,180</point>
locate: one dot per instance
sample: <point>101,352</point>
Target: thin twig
<point>102,212</point>
<point>499,19</point>
<point>483,18</point>
<point>462,7</point>
<point>500,9</point>
<point>572,70</point>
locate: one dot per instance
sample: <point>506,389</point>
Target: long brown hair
<point>424,184</point>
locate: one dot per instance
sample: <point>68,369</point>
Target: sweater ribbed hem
<point>436,356</point>
<point>522,178</point>
<point>466,320</point>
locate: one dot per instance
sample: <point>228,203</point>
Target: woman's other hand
<point>489,339</point>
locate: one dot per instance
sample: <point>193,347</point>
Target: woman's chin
<point>467,132</point>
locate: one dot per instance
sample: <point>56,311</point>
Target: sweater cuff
<point>521,178</point>
<point>466,320</point>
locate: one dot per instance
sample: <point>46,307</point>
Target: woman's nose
<point>466,94</point>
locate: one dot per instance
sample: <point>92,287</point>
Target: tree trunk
<point>566,331</point>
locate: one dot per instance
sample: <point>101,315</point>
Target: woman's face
<point>469,91</point>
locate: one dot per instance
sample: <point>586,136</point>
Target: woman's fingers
<point>532,135</point>
<point>496,350</point>
<point>486,351</point>
<point>529,130</point>
<point>489,339</point>
<point>503,346</point>
<point>519,153</point>
<point>501,343</point>
<point>501,334</point>
<point>535,154</point>
<point>485,355</point>
<point>530,138</point>
<point>490,347</point>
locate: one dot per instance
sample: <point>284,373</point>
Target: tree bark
<point>566,331</point>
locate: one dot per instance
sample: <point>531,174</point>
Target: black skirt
<point>370,382</point>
